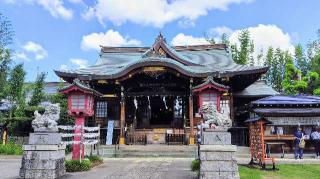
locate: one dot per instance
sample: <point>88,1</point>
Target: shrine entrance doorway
<point>156,100</point>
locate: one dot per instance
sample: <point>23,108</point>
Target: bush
<point>195,165</point>
<point>68,149</point>
<point>95,160</point>
<point>76,166</point>
<point>11,149</point>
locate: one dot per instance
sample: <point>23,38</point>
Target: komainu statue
<point>47,122</point>
<point>214,119</point>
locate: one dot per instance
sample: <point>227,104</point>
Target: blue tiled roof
<point>289,100</point>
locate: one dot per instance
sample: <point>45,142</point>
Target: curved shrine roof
<point>193,61</point>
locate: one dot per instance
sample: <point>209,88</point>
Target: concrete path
<point>142,168</point>
<point>135,168</point>
<point>9,168</point>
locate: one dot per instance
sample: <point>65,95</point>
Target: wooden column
<point>122,117</point>
<point>191,137</point>
<point>231,106</point>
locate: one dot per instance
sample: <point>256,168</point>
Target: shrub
<point>68,149</point>
<point>95,160</point>
<point>76,166</point>
<point>195,165</point>
<point>11,149</point>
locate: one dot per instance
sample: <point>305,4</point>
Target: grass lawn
<point>286,171</point>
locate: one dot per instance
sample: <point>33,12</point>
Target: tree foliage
<point>6,35</point>
<point>15,91</point>
<point>242,55</point>
<point>38,90</point>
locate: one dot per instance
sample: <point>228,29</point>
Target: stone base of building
<point>218,157</point>
<point>43,160</point>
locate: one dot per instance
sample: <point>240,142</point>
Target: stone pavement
<point>139,168</point>
<point>143,168</point>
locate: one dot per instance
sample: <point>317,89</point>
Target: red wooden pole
<point>76,147</point>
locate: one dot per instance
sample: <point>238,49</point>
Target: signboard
<point>294,121</point>
<point>110,132</point>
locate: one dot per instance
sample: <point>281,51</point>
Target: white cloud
<point>218,31</point>
<point>63,67</point>
<point>21,56</point>
<point>81,63</point>
<point>265,36</point>
<point>55,7</point>
<point>186,23</point>
<point>110,38</point>
<point>182,39</point>
<point>154,12</point>
<point>36,49</point>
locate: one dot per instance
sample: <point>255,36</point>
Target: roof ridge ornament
<point>160,38</point>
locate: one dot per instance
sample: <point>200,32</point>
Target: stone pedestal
<point>44,157</point>
<point>218,156</point>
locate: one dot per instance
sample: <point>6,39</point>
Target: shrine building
<point>150,92</point>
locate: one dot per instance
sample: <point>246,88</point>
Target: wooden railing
<point>175,139</point>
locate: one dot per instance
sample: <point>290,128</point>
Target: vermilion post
<point>77,138</point>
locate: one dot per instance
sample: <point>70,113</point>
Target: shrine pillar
<point>122,118</point>
<point>191,137</point>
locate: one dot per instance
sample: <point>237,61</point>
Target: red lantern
<point>80,105</point>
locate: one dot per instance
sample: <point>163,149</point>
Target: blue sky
<point>66,34</point>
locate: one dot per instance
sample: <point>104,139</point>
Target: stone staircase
<point>147,151</point>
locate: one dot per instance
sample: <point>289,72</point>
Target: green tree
<point>260,57</point>
<point>225,39</point>
<point>251,58</point>
<point>38,93</point>
<point>6,35</point>
<point>301,60</point>
<point>268,62</point>
<point>5,61</point>
<point>244,52</point>
<point>6,32</point>
<point>15,90</point>
<point>291,76</point>
<point>235,53</point>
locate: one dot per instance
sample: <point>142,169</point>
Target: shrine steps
<point>164,151</point>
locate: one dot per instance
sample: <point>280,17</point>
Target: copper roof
<point>193,61</point>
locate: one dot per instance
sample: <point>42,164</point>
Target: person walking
<point>315,136</point>
<point>298,150</point>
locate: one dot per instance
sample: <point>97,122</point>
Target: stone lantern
<point>80,105</point>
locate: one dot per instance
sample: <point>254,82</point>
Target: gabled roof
<point>161,49</point>
<point>79,86</point>
<point>209,83</point>
<point>193,61</point>
<point>257,89</point>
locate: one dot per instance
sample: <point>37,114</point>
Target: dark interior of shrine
<point>156,99</point>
